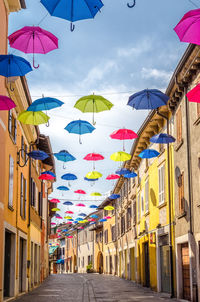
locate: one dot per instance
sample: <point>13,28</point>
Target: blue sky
<point>118,53</point>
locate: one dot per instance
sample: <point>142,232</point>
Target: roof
<point>44,144</point>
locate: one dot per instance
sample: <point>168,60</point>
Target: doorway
<point>146,265</point>
<point>185,271</point>
<point>165,268</point>
<point>7,264</point>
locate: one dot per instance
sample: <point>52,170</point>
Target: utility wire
<point>193,3</point>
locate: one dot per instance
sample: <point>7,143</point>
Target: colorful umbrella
<point>107,217</point>
<point>64,156</point>
<point>83,221</point>
<point>93,175</point>
<point>37,154</point>
<point>72,10</point>
<point>55,209</point>
<point>93,157</point>
<point>80,228</point>
<point>92,179</point>
<point>54,200</point>
<point>45,104</point>
<point>95,194</point>
<point>120,156</point>
<point>188,27</point>
<point>69,222</point>
<point>130,175</point>
<point>194,94</point>
<point>13,66</point>
<point>94,216</point>
<point>148,99</point>
<point>149,153</point>
<point>123,171</point>
<point>112,176</point>
<point>162,138</point>
<point>46,177</point>
<point>93,103</point>
<point>80,192</point>
<point>109,208</point>
<point>70,236</point>
<point>80,205</point>
<point>82,214</point>
<point>123,134</point>
<point>6,103</point>
<point>79,127</point>
<point>69,176</point>
<point>93,206</point>
<point>68,217</point>
<point>49,173</point>
<point>102,220</point>
<point>53,223</point>
<point>63,188</point>
<point>91,219</point>
<point>33,39</point>
<point>69,212</point>
<point>68,203</point>
<point>114,196</point>
<point>92,223</point>
<point>33,118</point>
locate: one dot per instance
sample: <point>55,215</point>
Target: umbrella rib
<point>89,9</point>
<point>196,20</point>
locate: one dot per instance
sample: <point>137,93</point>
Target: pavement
<point>90,288</point>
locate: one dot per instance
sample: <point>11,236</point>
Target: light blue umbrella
<point>64,156</point>
<point>94,216</point>
<point>44,104</point>
<point>79,127</point>
<point>130,175</point>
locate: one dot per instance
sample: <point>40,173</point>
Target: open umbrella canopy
<point>194,94</point>
<point>93,206</point>
<point>13,66</point>
<point>107,217</point>
<point>46,177</point>
<point>83,221</point>
<point>69,212</point>
<point>95,194</point>
<point>80,228</point>
<point>93,103</point>
<point>80,192</point>
<point>94,216</point>
<point>33,118</point>
<point>79,127</point>
<point>90,179</point>
<point>55,209</point>
<point>120,156</point>
<point>162,138</point>
<point>69,222</point>
<point>33,39</point>
<point>53,223</point>
<point>68,203</point>
<point>37,154</point>
<point>64,156</point>
<point>130,175</point>
<point>69,176</point>
<point>91,219</point>
<point>68,217</point>
<point>80,205</point>
<point>93,175</point>
<point>114,196</point>
<point>63,188</point>
<point>123,171</point>
<point>148,99</point>
<point>48,173</point>
<point>102,220</point>
<point>109,208</point>
<point>123,134</point>
<point>82,214</point>
<point>188,27</point>
<point>93,157</point>
<point>112,177</point>
<point>6,103</point>
<point>73,10</point>
<point>45,104</point>
<point>149,153</point>
<point>55,200</point>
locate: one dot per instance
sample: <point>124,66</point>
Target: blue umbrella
<point>49,173</point>
<point>63,188</point>
<point>73,10</point>
<point>37,154</point>
<point>102,220</point>
<point>122,171</point>
<point>64,156</point>
<point>79,219</point>
<point>114,196</point>
<point>92,222</point>
<point>44,104</point>
<point>130,175</point>
<point>57,215</point>
<point>82,214</point>
<point>90,179</point>
<point>93,206</point>
<point>149,153</point>
<point>94,216</point>
<point>79,127</point>
<point>70,219</point>
<point>148,99</point>
<point>162,138</point>
<point>68,203</point>
<point>69,176</point>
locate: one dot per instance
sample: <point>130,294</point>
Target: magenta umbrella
<point>93,157</point>
<point>194,94</point>
<point>33,39</point>
<point>80,192</point>
<point>6,103</point>
<point>123,134</point>
<point>112,176</point>
<point>80,205</point>
<point>188,27</point>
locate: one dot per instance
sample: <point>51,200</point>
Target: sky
<point>119,52</point>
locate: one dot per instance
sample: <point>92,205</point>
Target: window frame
<point>161,188</point>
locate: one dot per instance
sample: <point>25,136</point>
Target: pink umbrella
<point>188,27</point>
<point>68,222</point>
<point>59,217</point>
<point>123,134</point>
<point>80,205</point>
<point>107,217</point>
<point>91,219</point>
<point>54,200</point>
<point>58,236</point>
<point>80,228</point>
<point>53,223</point>
<point>33,39</point>
<point>69,236</point>
<point>46,177</point>
<point>194,94</point>
<point>112,176</point>
<point>80,192</point>
<point>93,157</point>
<point>69,212</point>
<point>6,103</point>
<point>58,231</point>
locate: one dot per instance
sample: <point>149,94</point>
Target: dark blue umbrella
<point>64,156</point>
<point>49,173</point>
<point>44,104</point>
<point>37,154</point>
<point>79,127</point>
<point>93,222</point>
<point>90,179</point>
<point>82,214</point>
<point>114,196</point>
<point>68,203</point>
<point>93,206</point>
<point>149,153</point>
<point>162,138</point>
<point>94,216</point>
<point>63,188</point>
<point>130,175</point>
<point>69,176</point>
<point>102,220</point>
<point>148,99</point>
<point>73,10</point>
<point>122,171</point>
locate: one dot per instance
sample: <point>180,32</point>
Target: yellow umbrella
<point>68,217</point>
<point>120,156</point>
<point>93,175</point>
<point>55,209</point>
<point>83,221</point>
<point>33,117</point>
<point>109,208</point>
<point>95,194</point>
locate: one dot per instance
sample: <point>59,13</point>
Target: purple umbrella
<point>33,39</point>
<point>6,103</point>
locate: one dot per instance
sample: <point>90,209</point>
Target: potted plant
<point>89,268</point>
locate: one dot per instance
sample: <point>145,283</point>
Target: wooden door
<point>7,261</point>
<point>186,271</point>
<point>146,265</point>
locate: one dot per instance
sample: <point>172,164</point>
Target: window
<point>179,125</point>
<point>123,225</point>
<point>101,236</point>
<point>161,172</point>
<point>11,179</point>
<point>22,147</point>
<point>118,230</point>
<point>181,194</point>
<point>147,196</point>
<point>105,213</point>
<point>23,197</point>
<point>33,201</point>
<point>113,233</point>
<point>40,205</point>
<point>134,212</point>
<point>128,217</point>
<point>198,109</point>
<point>106,236</point>
<point>12,126</point>
<point>89,260</point>
<point>83,262</point>
<point>138,207</point>
<point>129,184</point>
<point>142,203</point>
<point>97,237</point>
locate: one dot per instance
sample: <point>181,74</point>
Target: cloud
<point>153,73</point>
<point>132,51</point>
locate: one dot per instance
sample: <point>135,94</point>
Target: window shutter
<point>198,109</point>
<point>179,124</point>
<point>25,191</point>
<point>11,180</point>
<point>21,196</point>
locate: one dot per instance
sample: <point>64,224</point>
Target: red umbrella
<point>53,223</point>
<point>54,200</point>
<point>80,205</point>
<point>69,236</point>
<point>69,212</point>
<point>80,228</point>
<point>123,134</point>
<point>91,219</point>
<point>113,176</point>
<point>194,94</point>
<point>46,177</point>
<point>68,222</point>
<point>93,157</point>
<point>6,103</point>
<point>80,192</point>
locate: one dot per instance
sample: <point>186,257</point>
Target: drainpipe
<point>93,250</point>
<point>170,210</point>
<point>67,255</point>
<point>77,262</point>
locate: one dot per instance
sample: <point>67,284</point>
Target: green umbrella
<point>33,118</point>
<point>93,103</point>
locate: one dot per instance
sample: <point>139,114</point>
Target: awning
<point>52,249</point>
<point>60,261</point>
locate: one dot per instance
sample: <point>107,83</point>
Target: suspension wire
<point>42,19</point>
<point>77,95</point>
<point>193,3</point>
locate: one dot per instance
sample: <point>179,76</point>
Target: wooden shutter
<point>198,109</point>
<point>181,193</point>
<point>11,179</point>
<point>21,195</point>
<point>179,125</point>
<point>25,192</point>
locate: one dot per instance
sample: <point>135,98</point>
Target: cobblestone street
<point>90,288</point>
